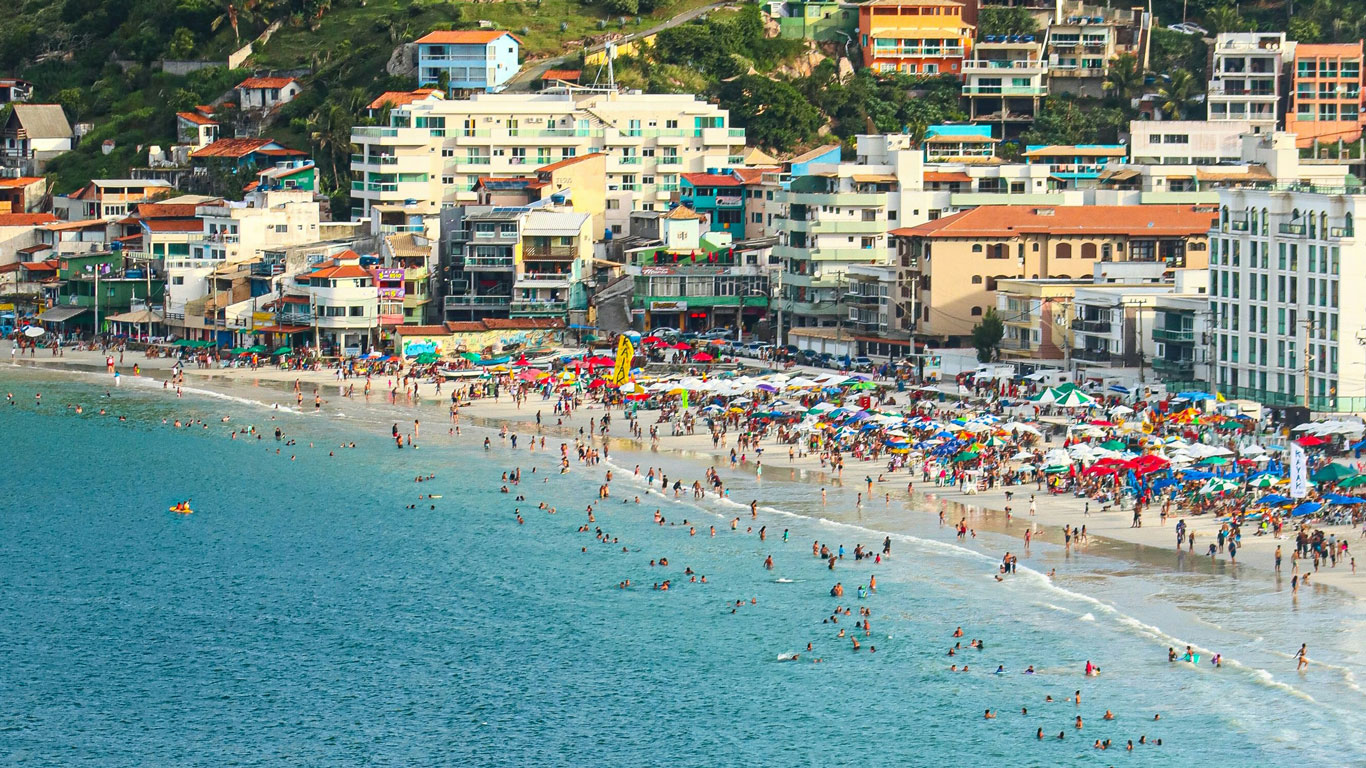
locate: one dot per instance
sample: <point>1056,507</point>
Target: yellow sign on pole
<point>626,351</point>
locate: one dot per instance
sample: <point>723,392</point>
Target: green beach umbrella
<point>1214,461</point>
<point>256,349</point>
<point>427,357</point>
<point>282,351</point>
<point>1074,399</point>
<point>1114,445</point>
<point>1332,473</point>
<point>864,385</point>
<point>1352,482</point>
<point>1219,485</point>
<point>182,343</point>
<point>1265,481</point>
<point>237,350</point>
<point>470,356</point>
<point>1053,469</point>
<point>966,456</point>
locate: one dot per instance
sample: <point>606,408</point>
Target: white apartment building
<point>1005,79</point>
<point>345,304</point>
<point>234,233</point>
<point>1280,264</point>
<point>1245,82</point>
<point>437,150</point>
<point>1187,142</point>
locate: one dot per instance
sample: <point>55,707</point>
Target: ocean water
<point>304,616</point>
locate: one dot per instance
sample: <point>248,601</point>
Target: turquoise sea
<point>303,616</point>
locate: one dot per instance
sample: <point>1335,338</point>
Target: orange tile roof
<point>421,330</point>
<point>466,36</point>
<point>568,161</point>
<point>22,181</point>
<point>572,75</point>
<point>174,225</point>
<point>752,175</point>
<point>942,176</point>
<point>196,118</point>
<point>25,219</point>
<point>1014,220</point>
<point>345,270</point>
<point>402,98</point>
<point>64,226</point>
<point>231,148</point>
<point>252,83</point>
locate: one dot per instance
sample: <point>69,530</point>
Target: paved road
<point>528,76</point>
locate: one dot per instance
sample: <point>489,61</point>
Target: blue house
<point>473,59</point>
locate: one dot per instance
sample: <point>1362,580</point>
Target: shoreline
<point>1109,532</point>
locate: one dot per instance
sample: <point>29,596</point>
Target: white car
<point>663,331</point>
<point>1188,28</point>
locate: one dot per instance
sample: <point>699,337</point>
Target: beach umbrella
<point>1354,481</point>
<point>1307,508</point>
<point>427,358</point>
<point>256,349</point>
<point>1264,481</point>
<point>237,351</point>
<point>1310,441</point>
<point>680,345</point>
<point>704,357</point>
<point>1332,473</point>
<point>1214,461</point>
<point>1274,500</point>
<point>1219,485</point>
<point>994,442</point>
<point>1114,445</point>
<point>1074,399</point>
<point>1054,469</point>
<point>282,351</point>
<point>470,356</point>
<point>1337,498</point>
<point>34,331</point>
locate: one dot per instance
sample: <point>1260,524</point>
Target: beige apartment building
<point>439,149</point>
<point>955,263</point>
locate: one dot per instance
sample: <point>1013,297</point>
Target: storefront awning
<point>60,314</point>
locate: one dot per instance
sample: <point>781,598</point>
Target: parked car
<point>1188,28</point>
<point>718,333</point>
<point>862,363</point>
<point>663,331</point>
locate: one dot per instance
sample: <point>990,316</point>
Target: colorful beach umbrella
<point>1331,473</point>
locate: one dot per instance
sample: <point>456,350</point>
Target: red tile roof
<point>41,266</point>
<point>401,98</point>
<point>465,36</point>
<point>196,118</point>
<point>1014,220</point>
<point>25,219</point>
<point>346,270</point>
<point>948,176</point>
<point>252,83</point>
<point>166,210</point>
<point>283,152</point>
<point>751,175</point>
<point>231,148</point>
<point>712,180</point>
<point>421,330</point>
<point>174,225</point>
<point>571,75</point>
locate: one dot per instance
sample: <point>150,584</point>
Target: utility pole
<point>1308,359</point>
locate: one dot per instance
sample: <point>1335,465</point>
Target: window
<point>613,204</point>
<point>357,312</point>
<point>447,152</point>
<point>976,247</point>
<point>976,311</point>
<point>976,279</point>
<point>1063,251</point>
<point>447,179</point>
<point>1088,250</point>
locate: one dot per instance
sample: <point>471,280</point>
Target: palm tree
<point>235,12</point>
<point>1177,93</point>
<point>1125,76</point>
<point>329,130</point>
<point>1225,18</point>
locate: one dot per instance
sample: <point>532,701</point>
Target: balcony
<point>1296,230</point>
<point>991,66</point>
<point>477,302</point>
<point>549,252</point>
<point>854,199</point>
<point>880,52</point>
<point>296,317</point>
<point>1091,355</point>
<point>1174,335</point>
<point>1005,90</point>
<point>374,160</point>
<point>528,308</point>
<point>266,269</point>
<point>489,263</point>
<point>670,160</point>
<point>839,226</point>
<point>545,277</point>
<point>1091,326</point>
<point>1174,367</point>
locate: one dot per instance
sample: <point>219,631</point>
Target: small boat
<point>181,509</point>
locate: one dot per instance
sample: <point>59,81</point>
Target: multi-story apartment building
<point>344,304</point>
<point>1187,142</point>
<point>1081,41</point>
<point>1004,81</point>
<point>690,279</point>
<point>727,200</point>
<point>1070,164</point>
<point>438,150</point>
<point>955,263</point>
<point>109,198</point>
<point>514,261</point>
<point>1281,263</point>
<point>1245,80</point>
<point>1325,93</point>
<point>1180,331</point>
<point>918,37</point>
<point>817,20</point>
<point>468,59</point>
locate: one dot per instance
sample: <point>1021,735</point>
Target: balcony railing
<point>1173,335</point>
<point>1291,229</point>
<point>1091,326</point>
<point>1004,90</point>
<point>1091,355</point>
<point>477,301</point>
<point>558,276</point>
<point>550,252</point>
<point>536,307</point>
<point>1174,366</point>
<point>489,262</point>
<point>670,160</point>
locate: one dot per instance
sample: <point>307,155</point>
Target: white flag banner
<point>1299,472</point>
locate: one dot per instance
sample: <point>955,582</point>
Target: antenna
<point>611,75</point>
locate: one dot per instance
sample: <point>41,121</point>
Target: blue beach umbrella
<point>1307,508</point>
